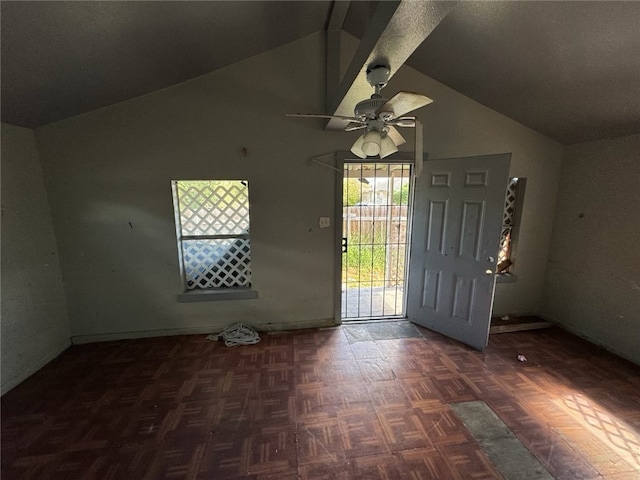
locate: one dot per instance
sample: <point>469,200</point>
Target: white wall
<point>34,322</point>
<point>593,273</point>
<point>111,168</point>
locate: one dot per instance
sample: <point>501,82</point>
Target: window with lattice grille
<point>509,220</point>
<point>212,224</point>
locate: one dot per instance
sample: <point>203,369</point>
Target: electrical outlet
<point>324,222</point>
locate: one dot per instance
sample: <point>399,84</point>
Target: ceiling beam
<point>334,32</point>
<point>396,29</point>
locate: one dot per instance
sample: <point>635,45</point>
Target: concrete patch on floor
<point>368,332</point>
<point>501,446</point>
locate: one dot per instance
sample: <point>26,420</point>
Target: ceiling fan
<point>379,117</point>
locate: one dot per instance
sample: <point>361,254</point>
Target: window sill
<point>211,295</point>
<point>505,278</point>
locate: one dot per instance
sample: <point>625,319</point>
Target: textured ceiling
<point>570,70</point>
<point>60,59</point>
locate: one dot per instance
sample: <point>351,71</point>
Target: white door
<point>457,218</point>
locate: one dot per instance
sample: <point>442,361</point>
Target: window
<point>212,225</point>
<point>510,220</point>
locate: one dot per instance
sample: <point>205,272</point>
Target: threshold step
<point>518,324</point>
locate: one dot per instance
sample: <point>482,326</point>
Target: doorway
<point>375,235</point>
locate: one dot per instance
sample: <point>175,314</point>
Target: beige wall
<point>111,168</point>
<point>593,273</point>
<point>34,322</point>
<point>456,126</point>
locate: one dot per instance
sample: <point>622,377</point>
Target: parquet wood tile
<point>361,432</point>
<point>321,443</point>
<point>375,369</point>
<point>313,401</point>
<point>454,388</point>
<point>467,461</point>
<point>442,427</point>
<point>327,470</point>
<point>421,392</point>
<point>382,467</point>
<point>402,429</point>
<point>343,371</point>
<point>424,463</point>
<point>404,366</point>
<point>559,457</point>
<point>364,350</point>
<point>386,394</point>
<point>318,404</point>
<point>351,395</point>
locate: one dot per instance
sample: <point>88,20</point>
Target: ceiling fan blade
<point>355,126</point>
<point>318,115</point>
<point>394,135</point>
<point>402,103</point>
<point>409,122</point>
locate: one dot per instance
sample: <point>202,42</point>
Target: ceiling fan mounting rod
<point>378,76</point>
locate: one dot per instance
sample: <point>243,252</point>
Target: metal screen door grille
<point>214,233</point>
<point>375,209</point>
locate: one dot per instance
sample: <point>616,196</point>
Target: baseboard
<point>272,327</point>
<point>518,314</point>
<point>520,327</point>
<point>205,330</point>
<point>29,370</point>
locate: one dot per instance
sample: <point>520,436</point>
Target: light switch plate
<point>324,222</point>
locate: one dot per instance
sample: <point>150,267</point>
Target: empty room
<point>320,240</point>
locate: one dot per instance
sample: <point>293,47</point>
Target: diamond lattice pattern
<point>214,208</point>
<point>508,220</point>
<point>217,263</point>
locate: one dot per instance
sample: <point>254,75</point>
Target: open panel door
<point>457,218</point>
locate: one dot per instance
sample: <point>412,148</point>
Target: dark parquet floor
<point>315,404</point>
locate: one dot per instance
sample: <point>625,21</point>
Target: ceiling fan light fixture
<point>356,149</point>
<point>387,147</point>
<point>379,116</point>
<point>371,143</point>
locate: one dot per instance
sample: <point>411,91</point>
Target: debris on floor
<point>521,358</point>
<point>237,334</point>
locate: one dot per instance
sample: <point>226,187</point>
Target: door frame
<point>343,157</point>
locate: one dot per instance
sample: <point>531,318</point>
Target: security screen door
<point>457,219</point>
<point>374,240</point>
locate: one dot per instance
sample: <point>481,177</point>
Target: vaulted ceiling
<point>570,70</point>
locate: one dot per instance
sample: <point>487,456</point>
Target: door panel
<point>457,218</point>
